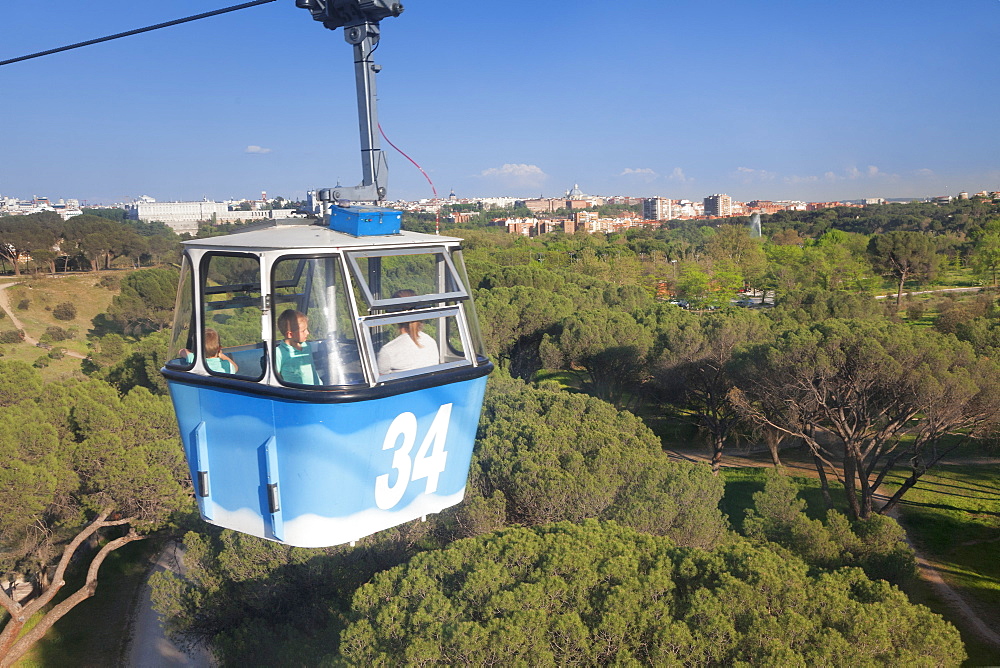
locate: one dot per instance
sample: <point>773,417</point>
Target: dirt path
<point>5,305</point>
<point>929,292</point>
<point>148,645</point>
<point>931,572</point>
<point>928,569</point>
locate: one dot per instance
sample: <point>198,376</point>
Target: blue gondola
<point>328,380</point>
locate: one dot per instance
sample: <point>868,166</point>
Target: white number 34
<point>429,462</point>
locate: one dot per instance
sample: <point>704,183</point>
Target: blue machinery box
<point>365,221</point>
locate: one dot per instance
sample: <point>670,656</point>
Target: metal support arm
<point>360,19</point>
<point>374,170</point>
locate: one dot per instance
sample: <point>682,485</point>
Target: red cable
<point>410,159</point>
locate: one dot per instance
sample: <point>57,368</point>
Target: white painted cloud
<point>257,149</point>
<point>517,175</point>
<point>643,175</point>
<point>870,172</point>
<point>852,173</point>
<point>678,175</point>
<point>748,175</point>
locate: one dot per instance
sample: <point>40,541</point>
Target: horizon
<point>811,103</point>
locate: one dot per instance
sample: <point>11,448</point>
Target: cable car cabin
<point>326,386</point>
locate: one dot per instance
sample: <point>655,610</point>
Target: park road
<point>149,646</point>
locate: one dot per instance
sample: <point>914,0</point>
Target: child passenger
<point>215,359</point>
<point>292,357</point>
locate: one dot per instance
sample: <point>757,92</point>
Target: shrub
<point>23,304</point>
<point>110,282</point>
<point>916,310</point>
<point>602,594</point>
<point>57,353</point>
<point>11,336</point>
<point>64,311</point>
<point>877,545</point>
<point>57,333</point>
<point>41,362</point>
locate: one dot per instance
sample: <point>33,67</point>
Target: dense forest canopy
<point>599,594</point>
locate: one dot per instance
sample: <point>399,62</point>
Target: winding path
<point>149,646</point>
<point>5,305</point>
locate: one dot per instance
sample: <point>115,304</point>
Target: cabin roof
<point>299,236</point>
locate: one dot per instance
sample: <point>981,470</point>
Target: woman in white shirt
<point>412,349</point>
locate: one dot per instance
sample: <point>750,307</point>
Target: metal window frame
<point>367,323</point>
<point>345,279</point>
<point>187,274</point>
<point>205,307</point>
<point>360,279</point>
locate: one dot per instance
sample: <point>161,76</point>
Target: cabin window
<point>469,307</point>
<point>427,276</point>
<point>412,308</point>
<point>182,336</point>
<point>314,336</point>
<point>231,341</point>
<point>408,342</point>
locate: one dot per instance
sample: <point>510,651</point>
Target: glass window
<point>314,335</point>
<point>182,342</point>
<point>232,316</point>
<point>470,308</point>
<point>391,278</point>
<point>416,341</point>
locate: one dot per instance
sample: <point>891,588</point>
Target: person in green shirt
<point>292,357</point>
<point>215,359</point>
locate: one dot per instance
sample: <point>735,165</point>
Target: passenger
<point>293,359</point>
<point>215,359</point>
<point>412,349</point>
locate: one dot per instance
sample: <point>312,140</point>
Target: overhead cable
<point>135,32</point>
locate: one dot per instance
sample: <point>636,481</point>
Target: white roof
<point>284,237</point>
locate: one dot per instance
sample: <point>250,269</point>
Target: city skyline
<point>839,102</point>
<point>13,204</point>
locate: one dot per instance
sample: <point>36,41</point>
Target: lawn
<point>40,296</point>
<point>953,517</point>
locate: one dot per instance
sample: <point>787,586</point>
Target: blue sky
<point>756,99</point>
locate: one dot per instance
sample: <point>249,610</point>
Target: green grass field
<point>44,294</point>
<point>953,517</point>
